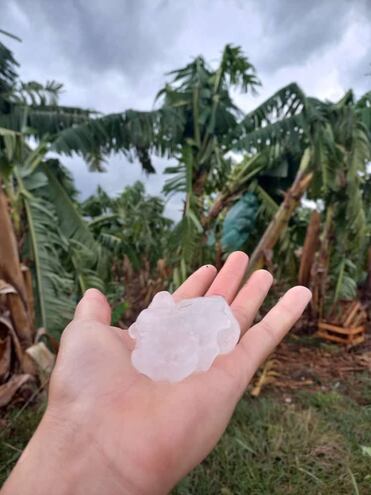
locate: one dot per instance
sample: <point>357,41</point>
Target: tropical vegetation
<point>262,182</point>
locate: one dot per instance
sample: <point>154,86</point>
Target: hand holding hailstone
<point>148,434</point>
<point>174,340</point>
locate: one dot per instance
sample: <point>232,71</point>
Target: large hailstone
<point>174,340</point>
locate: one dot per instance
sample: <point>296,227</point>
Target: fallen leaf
<point>267,376</point>
<point>42,356</point>
<point>27,364</point>
<point>6,288</point>
<point>5,353</point>
<point>8,390</point>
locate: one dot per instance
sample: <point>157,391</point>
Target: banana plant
<point>29,113</point>
<point>58,245</point>
<point>33,109</point>
<point>200,95</point>
<point>213,129</point>
<point>131,224</point>
<point>335,175</point>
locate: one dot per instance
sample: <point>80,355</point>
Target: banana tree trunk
<point>213,212</point>
<point>311,244</point>
<point>320,276</point>
<point>27,279</point>
<point>283,215</point>
<point>369,271</point>
<point>223,200</point>
<point>11,272</point>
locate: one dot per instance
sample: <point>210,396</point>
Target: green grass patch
<point>317,445</point>
<point>19,427</point>
<point>313,446</point>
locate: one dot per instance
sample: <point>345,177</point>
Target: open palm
<point>153,433</point>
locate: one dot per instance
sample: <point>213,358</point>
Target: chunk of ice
<point>174,340</point>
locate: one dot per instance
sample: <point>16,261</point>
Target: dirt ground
<point>308,363</point>
<point>299,363</point>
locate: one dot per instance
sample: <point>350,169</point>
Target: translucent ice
<point>174,340</point>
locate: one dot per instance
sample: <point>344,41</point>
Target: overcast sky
<point>113,54</point>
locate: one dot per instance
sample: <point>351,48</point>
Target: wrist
<point>65,456</point>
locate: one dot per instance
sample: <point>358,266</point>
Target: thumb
<point>93,306</point>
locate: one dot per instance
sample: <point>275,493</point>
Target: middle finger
<point>229,278</point>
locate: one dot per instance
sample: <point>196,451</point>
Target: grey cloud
<point>98,36</point>
<point>113,54</point>
<point>358,77</point>
<point>134,42</point>
<point>301,29</point>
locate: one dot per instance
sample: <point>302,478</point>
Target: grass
<point>14,436</point>
<point>312,446</point>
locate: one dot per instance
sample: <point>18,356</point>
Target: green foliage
<point>84,252</point>
<point>118,312</point>
<point>132,132</point>
<point>343,279</point>
<point>16,434</point>
<point>130,224</point>
<point>8,73</point>
<point>200,95</point>
<point>220,155</point>
<point>64,256</point>
<point>278,121</point>
<point>45,247</point>
<point>32,108</point>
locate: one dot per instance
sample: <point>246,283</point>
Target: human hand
<point>110,429</point>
